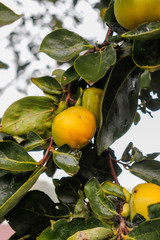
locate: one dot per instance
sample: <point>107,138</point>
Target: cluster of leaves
<point>126,67</point>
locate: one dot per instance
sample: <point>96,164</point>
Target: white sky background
<point>145,136</point>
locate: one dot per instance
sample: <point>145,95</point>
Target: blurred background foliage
<point>23,41</point>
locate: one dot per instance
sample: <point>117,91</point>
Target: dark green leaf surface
<point>48,84</point>
<point>148,170</point>
<point>146,54</point>
<point>63,229</point>
<point>7,16</point>
<point>34,209</point>
<point>146,231</point>
<point>69,75</point>
<point>13,157</point>
<point>34,142</point>
<point>14,187</point>
<point>119,103</point>
<point>63,45</point>
<point>33,113</point>
<point>114,189</point>
<point>67,189</point>
<point>144,31</point>
<point>101,205</point>
<point>154,211</point>
<point>110,20</point>
<point>67,160</point>
<point>92,165</point>
<point>93,66</point>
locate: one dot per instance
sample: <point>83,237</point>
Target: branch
<point>113,172</point>
<point>48,152</point>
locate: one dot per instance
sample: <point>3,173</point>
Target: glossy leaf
<point>101,60</point>
<point>144,31</point>
<point>57,74</point>
<point>146,231</point>
<point>63,45</point>
<point>67,159</point>
<point>114,189</point>
<point>13,157</point>
<point>67,189</point>
<point>63,229</point>
<point>110,20</point>
<point>48,84</point>
<point>148,170</point>
<point>34,142</point>
<point>100,204</point>
<point>69,75</point>
<point>154,211</point>
<point>14,187</point>
<point>34,209</point>
<point>155,86</point>
<point>28,114</point>
<point>146,54</point>
<point>7,16</point>
<point>92,165</point>
<point>119,103</point>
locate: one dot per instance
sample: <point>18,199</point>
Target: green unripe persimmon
<point>91,100</point>
<point>131,13</point>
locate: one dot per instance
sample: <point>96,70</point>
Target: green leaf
<point>67,189</point>
<point>154,211</point>
<point>101,60</point>
<point>93,165</point>
<point>100,204</point>
<point>97,233</point>
<point>28,114</point>
<point>145,79</point>
<point>81,209</point>
<point>148,170</point>
<point>34,209</point>
<point>67,159</point>
<point>110,20</point>
<point>57,74</point>
<point>119,103</point>
<point>114,189</point>
<point>63,45</point>
<point>7,16</point>
<point>155,87</point>
<point>146,231</point>
<point>144,31</point>
<point>48,84</point>
<point>34,142</point>
<point>153,104</point>
<point>14,187</point>
<point>63,229</point>
<point>13,157</point>
<point>3,65</point>
<point>69,75</point>
<point>146,54</point>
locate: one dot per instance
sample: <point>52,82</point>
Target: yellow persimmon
<point>74,126</point>
<point>142,196</point>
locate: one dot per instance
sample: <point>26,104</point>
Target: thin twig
<point>113,172</point>
<point>45,158</point>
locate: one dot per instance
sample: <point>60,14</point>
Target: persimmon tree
<point>92,203</point>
